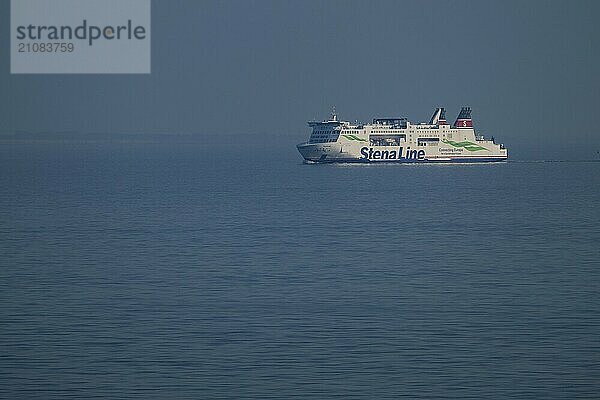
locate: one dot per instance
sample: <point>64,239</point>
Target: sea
<point>199,267</point>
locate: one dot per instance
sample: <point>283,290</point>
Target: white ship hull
<point>399,141</point>
<point>334,152</point>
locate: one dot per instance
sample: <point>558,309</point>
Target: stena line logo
<point>80,36</point>
<point>370,153</point>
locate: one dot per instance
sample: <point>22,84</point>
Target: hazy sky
<point>529,69</point>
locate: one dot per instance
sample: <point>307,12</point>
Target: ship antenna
<point>333,114</point>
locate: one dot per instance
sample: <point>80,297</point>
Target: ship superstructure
<point>399,140</point>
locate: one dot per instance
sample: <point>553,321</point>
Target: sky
<point>529,70</point>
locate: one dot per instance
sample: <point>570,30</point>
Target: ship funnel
<point>464,118</point>
<point>438,117</point>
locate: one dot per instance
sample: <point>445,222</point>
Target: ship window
<point>386,140</point>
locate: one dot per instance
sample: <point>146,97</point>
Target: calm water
<point>175,268</point>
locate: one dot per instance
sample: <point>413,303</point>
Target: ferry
<point>398,140</point>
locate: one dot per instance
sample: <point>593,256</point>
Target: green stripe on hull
<point>470,146</point>
<point>353,137</point>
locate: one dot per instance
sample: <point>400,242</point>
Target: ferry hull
<point>334,153</point>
